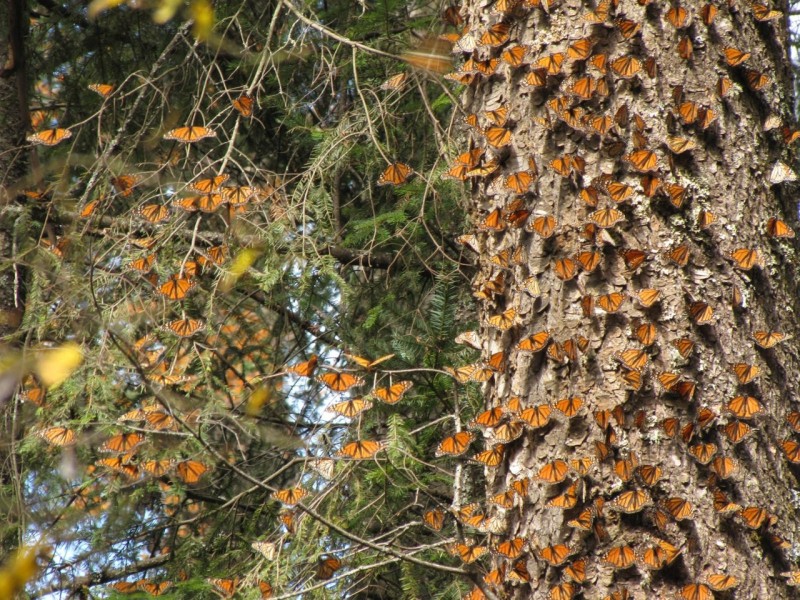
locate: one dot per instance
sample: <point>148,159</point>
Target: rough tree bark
<point>13,164</point>
<point>730,173</point>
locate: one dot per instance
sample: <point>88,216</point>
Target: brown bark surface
<point>738,140</point>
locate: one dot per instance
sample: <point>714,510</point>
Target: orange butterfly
<point>58,436</point>
<point>778,229</point>
<point>360,449</point>
<point>492,457</point>
<point>184,327</point>
<point>566,500</point>
<point>393,393</point>
<point>153,213</point>
<point>190,471</point>
<point>555,555</point>
<point>434,519</point>
<point>208,185</point>
<point>226,587</point>
<point>104,89</point>
<point>327,566</point>
<point>535,342</point>
<point>124,184</point>
<point>122,443</point>
<point>536,416</point>
<point>632,501</point>
<point>244,105</point>
<point>176,287</point>
<point>395,174</point>
<point>340,382</point>
<point>512,548</point>
<point>468,554</point>
<point>50,137</point>
<point>190,134</point>
<point>553,472</point>
<point>290,496</point>
<point>620,557</point>
<point>304,369</point>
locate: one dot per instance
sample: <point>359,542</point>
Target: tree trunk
<point>13,120</point>
<point>675,90</point>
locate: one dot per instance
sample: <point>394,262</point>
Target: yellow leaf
<point>166,10</point>
<point>203,15</point>
<point>17,572</point>
<point>98,6</point>
<point>54,365</point>
<point>243,261</point>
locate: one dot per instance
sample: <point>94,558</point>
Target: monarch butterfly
<point>562,591</point>
<point>756,79</point>
<point>508,432</point>
<point>498,137</point>
<point>626,66</point>
<point>510,549</point>
<point>794,420</point>
<point>154,589</point>
<point>643,160</point>
<point>340,382</point>
<point>536,416</point>
<point>703,453</point>
<point>580,49</point>
<point>606,217</point>
<point>746,258</point>
<point>719,582</point>
<point>58,436</point>
<point>124,184</point>
<point>588,260</point>
<point>327,566</point>
<point>599,14</point>
<point>569,407</point>
<point>679,145</point>
<point>544,226</point>
<point>632,501</point>
<point>290,496</point>
<point>611,303</point>
<point>176,287</point>
<point>395,82</point>
<point>496,35</point>
<point>649,474</point>
<point>360,449</point>
<point>244,105</point>
<point>306,368</point>
<point>161,421</point>
<point>679,508</point>
<point>267,549</point>
<point>395,174</point>
<point>553,472</point>
<point>646,334</point>
<point>514,55</point>
<point>584,88</point>
<point>226,587</point>
<point>492,457</point>
<point>434,519</point>
<point>520,182</point>
<point>696,591</point>
<point>468,554</point>
<point>633,359</point>
<point>122,443</point>
<point>764,13</point>
<point>536,78</point>
<point>125,587</point>
<point>144,264</point>
<point>157,468</point>
<point>49,137</point>
<point>792,450</point>
<point>778,229</point>
<point>754,517</point>
<point>104,89</point>
<point>781,172</point>
<point>184,327</point>
<point>153,213</point>
<point>722,504</point>
<point>565,269</point>
<point>736,431</point>
<point>701,312</point>
<point>724,466</point>
<point>190,471</point>
<point>190,134</point>
<point>394,393</point>
<point>620,557</point>
<point>504,320</point>
<point>745,372</point>
<point>734,57</point>
<point>568,499</point>
<point>209,184</point>
<point>745,407</point>
<point>555,555</point>
<point>584,519</point>
<point>535,342</point>
<point>504,499</point>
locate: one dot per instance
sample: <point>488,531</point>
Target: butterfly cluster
<point>558,228</point>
